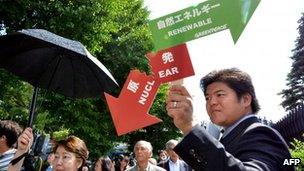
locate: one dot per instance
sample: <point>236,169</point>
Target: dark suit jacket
<point>165,165</point>
<point>249,146</point>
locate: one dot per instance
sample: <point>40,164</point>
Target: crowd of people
<point>71,154</point>
<point>244,143</point>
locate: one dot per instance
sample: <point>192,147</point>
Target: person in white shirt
<point>174,163</point>
<point>143,152</point>
<point>9,132</point>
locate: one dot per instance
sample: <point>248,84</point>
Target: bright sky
<point>263,51</point>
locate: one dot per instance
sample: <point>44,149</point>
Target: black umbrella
<point>55,63</point>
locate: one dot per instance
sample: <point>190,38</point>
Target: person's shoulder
<point>185,165</point>
<point>183,162</point>
<point>11,151</point>
<point>157,168</point>
<point>133,168</point>
<point>260,128</point>
<point>161,163</point>
<point>262,131</point>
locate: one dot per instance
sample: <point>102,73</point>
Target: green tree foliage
<point>61,135</point>
<point>14,98</point>
<point>294,94</point>
<point>298,152</point>
<point>116,32</point>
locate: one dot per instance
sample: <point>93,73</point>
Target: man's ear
<point>3,137</point>
<point>247,99</point>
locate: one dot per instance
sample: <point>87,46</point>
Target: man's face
<point>223,106</point>
<point>162,156</point>
<point>50,158</point>
<point>142,153</point>
<point>3,141</point>
<point>172,154</point>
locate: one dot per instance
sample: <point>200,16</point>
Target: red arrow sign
<point>129,110</point>
<point>171,64</point>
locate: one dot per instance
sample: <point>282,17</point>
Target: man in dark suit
<point>231,103</point>
<point>173,163</point>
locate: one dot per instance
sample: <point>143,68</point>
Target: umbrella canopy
<point>55,63</point>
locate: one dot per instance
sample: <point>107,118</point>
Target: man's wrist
<point>19,152</point>
<point>188,128</point>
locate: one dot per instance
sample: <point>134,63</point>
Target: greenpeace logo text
<point>292,161</point>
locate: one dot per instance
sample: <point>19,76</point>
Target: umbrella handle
<point>32,109</point>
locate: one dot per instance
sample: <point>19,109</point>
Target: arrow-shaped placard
<point>171,64</point>
<point>129,110</point>
<point>204,19</point>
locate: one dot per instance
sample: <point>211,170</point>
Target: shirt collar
<point>171,162</point>
<point>10,151</point>
<point>174,166</point>
<point>146,169</point>
<point>231,127</point>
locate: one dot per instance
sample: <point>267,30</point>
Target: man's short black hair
<point>235,79</point>
<point>11,130</point>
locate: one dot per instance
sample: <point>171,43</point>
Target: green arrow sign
<point>204,19</point>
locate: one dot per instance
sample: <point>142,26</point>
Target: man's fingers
<point>185,103</point>
<point>24,140</point>
<point>179,89</point>
<point>27,136</point>
<point>28,132</point>
<point>177,101</point>
<point>178,94</point>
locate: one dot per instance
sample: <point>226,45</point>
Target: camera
<point>41,146</point>
<point>40,149</point>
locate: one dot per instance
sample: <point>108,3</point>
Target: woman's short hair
<point>75,145</point>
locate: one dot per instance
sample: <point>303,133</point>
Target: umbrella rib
<point>42,73</point>
<point>54,72</point>
<point>92,71</point>
<point>73,75</point>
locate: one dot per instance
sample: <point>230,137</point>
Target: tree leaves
<point>294,93</point>
<point>116,32</point>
